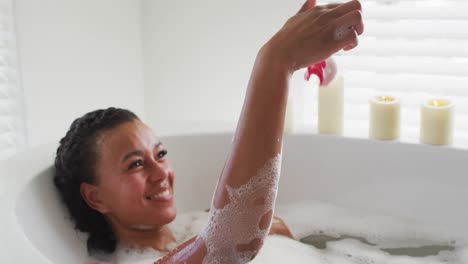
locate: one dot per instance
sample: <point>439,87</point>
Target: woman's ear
<point>91,196</point>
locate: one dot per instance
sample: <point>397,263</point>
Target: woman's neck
<point>157,238</point>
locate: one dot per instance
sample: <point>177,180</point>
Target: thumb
<point>307,5</point>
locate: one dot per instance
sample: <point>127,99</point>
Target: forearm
<point>259,133</point>
<point>242,206</point>
<point>240,220</point>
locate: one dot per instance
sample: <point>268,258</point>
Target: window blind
<point>12,126</point>
<point>414,50</point>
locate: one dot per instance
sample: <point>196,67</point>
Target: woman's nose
<point>158,171</point>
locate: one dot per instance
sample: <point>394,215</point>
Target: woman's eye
<point>135,164</point>
<point>162,153</point>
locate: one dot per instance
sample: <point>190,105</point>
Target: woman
<point>118,186</point>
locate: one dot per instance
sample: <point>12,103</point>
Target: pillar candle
<point>436,122</point>
<point>384,121</point>
<point>330,106</point>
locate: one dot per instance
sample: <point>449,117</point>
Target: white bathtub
<point>412,181</point>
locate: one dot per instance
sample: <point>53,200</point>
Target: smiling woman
<point>98,186</point>
<point>117,183</point>
<point>113,175</point>
<point>137,193</point>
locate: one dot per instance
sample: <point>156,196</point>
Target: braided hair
<point>75,163</point>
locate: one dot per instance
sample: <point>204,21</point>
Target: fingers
<point>320,31</point>
<point>352,20</point>
<point>307,5</point>
<point>329,6</point>
<point>336,11</point>
<point>353,43</point>
<point>347,29</point>
<point>346,8</point>
<point>349,42</point>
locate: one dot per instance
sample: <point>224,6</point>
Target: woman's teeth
<point>163,194</point>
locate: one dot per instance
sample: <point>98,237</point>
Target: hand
<point>278,227</point>
<point>317,32</point>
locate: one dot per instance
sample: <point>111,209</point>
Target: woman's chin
<point>167,214</point>
<point>161,211</point>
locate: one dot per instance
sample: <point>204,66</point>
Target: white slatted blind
<point>414,50</point>
<point>12,128</point>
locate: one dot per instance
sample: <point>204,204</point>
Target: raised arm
<point>243,204</point>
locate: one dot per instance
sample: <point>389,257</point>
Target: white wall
<point>77,56</point>
<point>198,58</point>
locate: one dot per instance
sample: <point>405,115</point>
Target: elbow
<point>247,252</point>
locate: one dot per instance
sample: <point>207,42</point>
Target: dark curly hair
<point>75,163</point>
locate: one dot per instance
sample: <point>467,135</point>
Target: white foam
<point>314,217</point>
<point>124,255</point>
<point>184,227</point>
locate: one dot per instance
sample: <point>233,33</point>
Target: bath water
<point>330,234</point>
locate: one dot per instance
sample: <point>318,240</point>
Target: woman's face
<point>134,178</point>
